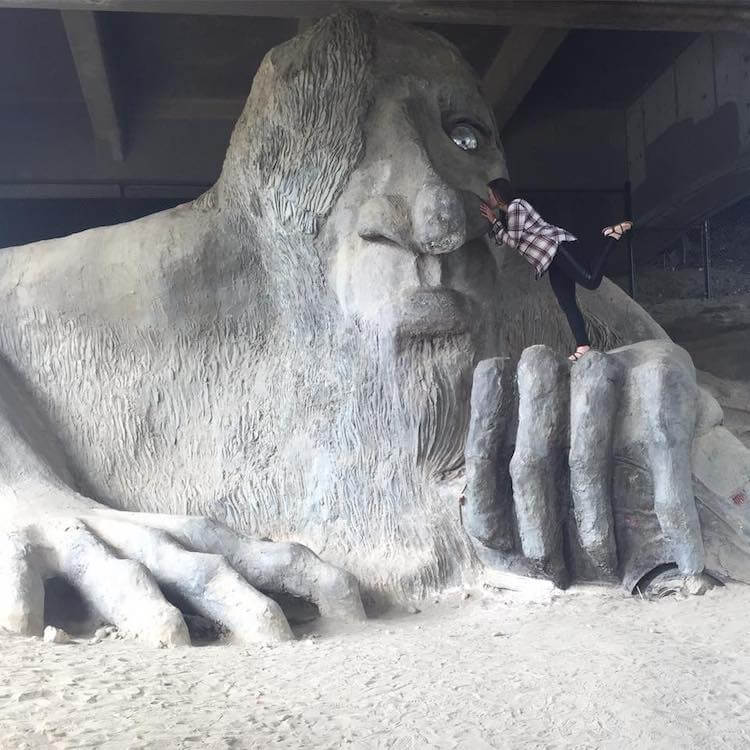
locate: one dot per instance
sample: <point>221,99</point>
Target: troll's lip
<point>434,311</point>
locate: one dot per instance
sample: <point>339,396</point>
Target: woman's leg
<point>577,268</point>
<point>564,287</point>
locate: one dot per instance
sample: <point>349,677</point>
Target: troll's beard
<point>366,428</point>
<point>396,429</point>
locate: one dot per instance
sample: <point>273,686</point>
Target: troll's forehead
<point>418,61</point>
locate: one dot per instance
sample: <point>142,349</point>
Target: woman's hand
<point>491,214</point>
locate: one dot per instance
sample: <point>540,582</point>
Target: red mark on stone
<point>739,498</point>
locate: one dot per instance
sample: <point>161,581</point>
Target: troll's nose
<point>439,219</point>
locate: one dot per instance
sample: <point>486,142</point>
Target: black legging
<point>565,272</point>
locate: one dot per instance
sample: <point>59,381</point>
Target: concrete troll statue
<point>281,388</point>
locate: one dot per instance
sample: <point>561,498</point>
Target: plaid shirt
<point>531,235</point>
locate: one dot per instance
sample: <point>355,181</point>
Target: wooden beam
<point>523,55</point>
<point>647,15</point>
<point>90,60</point>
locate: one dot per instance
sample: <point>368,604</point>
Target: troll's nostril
<point>445,243</point>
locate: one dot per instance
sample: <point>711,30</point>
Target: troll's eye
<point>465,137</point>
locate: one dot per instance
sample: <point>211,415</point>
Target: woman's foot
<point>579,352</point>
<point>617,230</point>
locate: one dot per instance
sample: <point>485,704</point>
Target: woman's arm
<point>516,220</point>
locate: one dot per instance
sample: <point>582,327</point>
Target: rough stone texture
<point>291,357</point>
<point>653,489</point>
<point>596,386</point>
<point>668,396</point>
<point>55,635</point>
<point>538,466</point>
<point>488,513</point>
<point>637,423</point>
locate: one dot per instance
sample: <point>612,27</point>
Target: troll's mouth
<point>434,311</point>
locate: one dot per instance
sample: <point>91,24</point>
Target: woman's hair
<point>502,189</point>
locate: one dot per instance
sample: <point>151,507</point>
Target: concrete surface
<point>291,356</point>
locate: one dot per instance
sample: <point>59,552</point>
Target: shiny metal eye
<point>465,137</point>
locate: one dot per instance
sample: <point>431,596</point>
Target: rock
<point>55,635</point>
<point>698,585</point>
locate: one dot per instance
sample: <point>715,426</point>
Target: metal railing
<point>627,204</point>
<point>625,191</point>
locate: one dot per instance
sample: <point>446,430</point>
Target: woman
<point>549,248</point>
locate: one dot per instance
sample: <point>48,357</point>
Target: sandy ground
<point>592,668</point>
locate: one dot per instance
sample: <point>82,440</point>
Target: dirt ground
<point>591,668</point>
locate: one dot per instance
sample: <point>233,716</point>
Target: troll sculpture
<point>291,358</point>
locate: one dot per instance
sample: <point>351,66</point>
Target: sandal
<point>618,230</point>
<point>577,354</point>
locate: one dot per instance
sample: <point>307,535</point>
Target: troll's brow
<point>453,99</point>
<point>460,96</point>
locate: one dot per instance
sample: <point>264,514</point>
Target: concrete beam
<point>90,60</point>
<point>305,23</point>
<point>58,190</point>
<point>95,190</point>
<point>523,54</point>
<point>647,15</point>
<point>187,109</point>
<point>164,192</point>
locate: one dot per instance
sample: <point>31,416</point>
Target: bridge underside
<point>113,108</point>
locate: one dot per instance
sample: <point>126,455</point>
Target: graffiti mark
<point>631,522</point>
